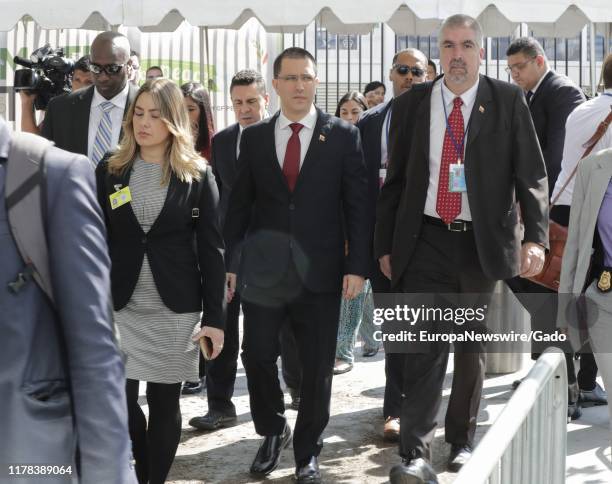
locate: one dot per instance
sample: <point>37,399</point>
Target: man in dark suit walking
<point>464,155</point>
<point>250,101</point>
<point>551,98</point>
<point>89,121</point>
<point>408,67</point>
<point>300,193</point>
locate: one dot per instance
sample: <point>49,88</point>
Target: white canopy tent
<point>551,18</point>
<point>546,18</point>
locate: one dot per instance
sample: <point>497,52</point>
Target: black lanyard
<point>458,147</point>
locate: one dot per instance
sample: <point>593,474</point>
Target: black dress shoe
<point>193,387</point>
<point>416,471</point>
<point>308,472</point>
<point>459,455</point>
<point>213,421</point>
<point>269,453</point>
<point>596,396</point>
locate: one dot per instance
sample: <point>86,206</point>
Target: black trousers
<point>443,262</point>
<point>394,362</point>
<point>313,318</point>
<point>221,372</point>
<point>154,445</point>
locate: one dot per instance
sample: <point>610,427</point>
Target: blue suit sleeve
<point>80,269</point>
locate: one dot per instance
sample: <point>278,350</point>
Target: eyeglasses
<point>518,67</point>
<point>109,70</point>
<point>402,70</point>
<point>306,78</point>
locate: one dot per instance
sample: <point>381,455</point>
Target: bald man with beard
<point>89,121</point>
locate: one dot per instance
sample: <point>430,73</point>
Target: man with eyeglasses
<point>89,121</point>
<point>301,191</point>
<point>409,67</point>
<point>551,98</point>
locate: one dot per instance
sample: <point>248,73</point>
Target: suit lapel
<point>480,114</point>
<point>82,108</point>
<point>232,148</point>
<point>600,179</point>
<point>423,115</point>
<point>271,149</point>
<point>319,137</point>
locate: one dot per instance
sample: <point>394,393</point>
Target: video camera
<point>48,74</point>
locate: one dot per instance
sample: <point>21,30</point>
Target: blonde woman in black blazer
<point>160,204</point>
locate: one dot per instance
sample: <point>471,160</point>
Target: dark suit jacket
<point>304,227</point>
<point>41,420</point>
<point>169,245</point>
<point>503,166</point>
<point>371,125</point>
<point>66,121</point>
<point>556,97</point>
<point>225,164</point>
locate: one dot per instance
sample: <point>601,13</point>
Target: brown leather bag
<point>557,234</point>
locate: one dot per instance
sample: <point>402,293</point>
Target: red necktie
<point>291,163</point>
<point>448,204</point>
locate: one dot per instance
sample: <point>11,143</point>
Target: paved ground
<point>354,451</point>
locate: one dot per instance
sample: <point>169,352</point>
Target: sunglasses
<point>109,70</point>
<point>402,70</point>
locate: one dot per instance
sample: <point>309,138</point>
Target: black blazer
<point>556,97</point>
<point>304,227</point>
<point>189,277</point>
<point>371,125</point>
<point>66,121</point>
<point>503,166</point>
<point>225,164</point>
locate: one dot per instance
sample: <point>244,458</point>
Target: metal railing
<point>528,441</point>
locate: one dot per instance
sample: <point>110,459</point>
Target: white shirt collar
<point>540,81</point>
<point>307,121</point>
<point>468,97</point>
<point>119,100</point>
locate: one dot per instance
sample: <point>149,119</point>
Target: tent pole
<point>593,64</point>
<point>202,47</point>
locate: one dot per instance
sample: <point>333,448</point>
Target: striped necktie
<point>102,142</point>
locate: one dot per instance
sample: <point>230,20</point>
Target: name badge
<point>456,178</point>
<point>382,174</point>
<point>120,197</point>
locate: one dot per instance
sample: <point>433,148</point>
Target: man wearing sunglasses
<point>408,67</point>
<point>89,121</point>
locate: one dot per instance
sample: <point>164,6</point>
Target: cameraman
<point>89,121</point>
<point>81,77</point>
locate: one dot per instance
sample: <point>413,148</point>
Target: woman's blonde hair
<point>182,159</point>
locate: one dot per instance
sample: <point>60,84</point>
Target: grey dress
<point>157,341</point>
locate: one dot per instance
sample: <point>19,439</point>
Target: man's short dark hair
<point>246,77</point>
<point>82,64</point>
<point>292,53</point>
<point>154,67</point>
<point>525,45</point>
<point>606,72</point>
<point>372,86</point>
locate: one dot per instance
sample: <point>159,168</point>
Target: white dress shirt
<point>282,133</point>
<point>533,91</point>
<point>437,129</point>
<point>116,115</point>
<point>580,126</point>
